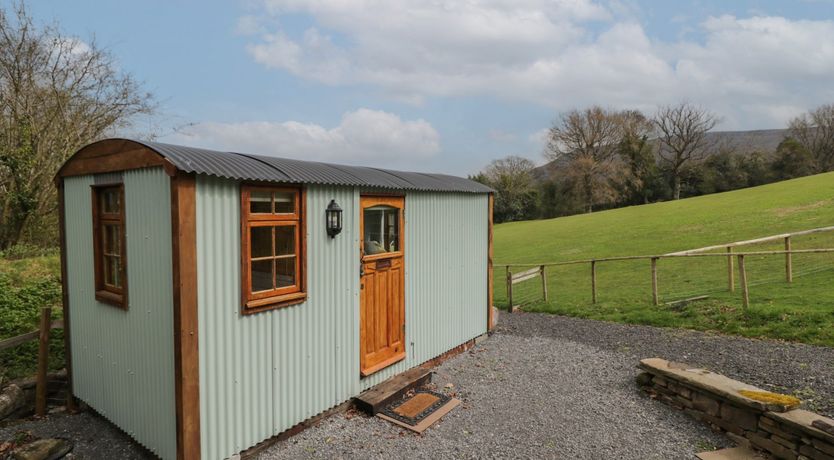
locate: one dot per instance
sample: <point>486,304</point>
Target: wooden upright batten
<point>742,276</point>
<point>490,270</point>
<point>655,298</point>
<point>65,294</point>
<point>731,284</point>
<point>186,357</point>
<point>593,281</point>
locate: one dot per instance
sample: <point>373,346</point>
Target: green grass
<point>802,311</point>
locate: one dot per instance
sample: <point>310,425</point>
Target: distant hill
<point>762,140</point>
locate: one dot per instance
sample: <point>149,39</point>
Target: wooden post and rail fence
<point>515,278</point>
<point>42,336</point>
<point>539,270</point>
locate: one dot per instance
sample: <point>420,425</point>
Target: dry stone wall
<point>767,421</point>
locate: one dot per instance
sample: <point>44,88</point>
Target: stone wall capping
<point>703,379</point>
<point>775,426</point>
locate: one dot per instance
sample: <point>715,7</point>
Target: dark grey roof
<point>244,166</point>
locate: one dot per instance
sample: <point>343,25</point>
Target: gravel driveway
<point>547,386</point>
<point>542,386</point>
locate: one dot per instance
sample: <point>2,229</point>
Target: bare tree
<point>815,131</point>
<point>515,192</point>
<point>637,153</point>
<point>682,130</point>
<point>587,142</point>
<point>57,93</point>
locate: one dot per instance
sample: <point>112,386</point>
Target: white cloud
<point>539,138</point>
<point>556,53</point>
<point>362,137</point>
<point>499,135</point>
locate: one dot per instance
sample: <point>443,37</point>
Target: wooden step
<point>375,399</point>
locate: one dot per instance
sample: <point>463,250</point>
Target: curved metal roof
<point>244,166</point>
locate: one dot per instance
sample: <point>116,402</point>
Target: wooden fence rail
<point>27,337</point>
<point>786,237</point>
<point>42,336</point>
<point>540,268</point>
<point>765,239</point>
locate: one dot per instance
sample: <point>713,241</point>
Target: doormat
<point>419,410</point>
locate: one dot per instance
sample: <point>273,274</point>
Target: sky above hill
<point>447,86</point>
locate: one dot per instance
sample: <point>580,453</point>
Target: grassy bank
<point>26,285</point>
<point>802,311</point>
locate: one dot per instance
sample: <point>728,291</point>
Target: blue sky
<point>448,86</point>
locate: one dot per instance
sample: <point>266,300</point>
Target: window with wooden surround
<point>109,244</point>
<point>272,237</point>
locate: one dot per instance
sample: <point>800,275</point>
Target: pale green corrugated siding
<point>261,374</point>
<point>123,362</point>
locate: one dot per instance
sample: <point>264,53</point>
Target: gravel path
<point>94,437</point>
<point>542,386</point>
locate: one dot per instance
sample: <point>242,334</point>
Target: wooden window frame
<point>280,297</point>
<point>383,200</point>
<point>103,292</point>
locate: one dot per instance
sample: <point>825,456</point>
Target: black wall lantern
<point>333,217</point>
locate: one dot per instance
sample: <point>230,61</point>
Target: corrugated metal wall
<point>123,361</point>
<point>261,374</point>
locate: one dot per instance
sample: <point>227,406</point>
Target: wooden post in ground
<point>742,277</point>
<point>43,361</point>
<point>593,281</point>
<point>544,282</point>
<point>731,282</point>
<point>788,261</point>
<point>509,290</point>
<point>654,281</point>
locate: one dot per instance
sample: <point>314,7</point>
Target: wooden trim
<point>383,364</point>
<point>381,255</point>
<point>186,341</point>
<point>118,297</point>
<point>269,303</point>
<point>62,234</point>
<point>280,297</point>
<point>113,155</point>
<point>396,201</point>
<point>490,270</point>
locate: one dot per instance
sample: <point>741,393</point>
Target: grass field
<point>802,311</point>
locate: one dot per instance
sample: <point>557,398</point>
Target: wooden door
<point>381,298</point>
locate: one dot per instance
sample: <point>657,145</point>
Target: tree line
<point>601,159</point>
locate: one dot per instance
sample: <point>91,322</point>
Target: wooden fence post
<point>788,261</point>
<point>654,281</point>
<point>509,290</point>
<point>544,282</point>
<point>742,276</point>
<point>594,281</point>
<point>731,282</point>
<point>43,361</point>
